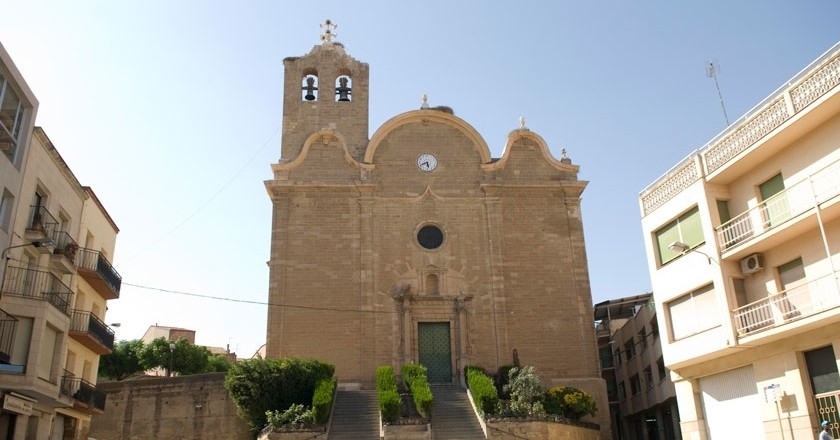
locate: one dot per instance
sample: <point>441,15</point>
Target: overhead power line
<point>261,303</point>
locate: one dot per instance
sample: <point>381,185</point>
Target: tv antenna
<point>712,70</point>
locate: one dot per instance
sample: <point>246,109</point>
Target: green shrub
<point>422,394</point>
<point>294,417</point>
<point>502,378</point>
<point>569,402</point>
<point>322,400</point>
<point>410,372</point>
<point>390,404</point>
<point>385,378</point>
<point>525,394</point>
<point>387,394</point>
<point>257,386</point>
<point>414,377</point>
<point>482,388</point>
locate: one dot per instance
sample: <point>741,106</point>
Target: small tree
<point>123,361</point>
<point>217,363</point>
<point>186,358</point>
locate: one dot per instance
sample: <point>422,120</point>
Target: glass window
<point>635,385</point>
<point>723,211</point>
<point>685,229</point>
<point>822,369</point>
<point>622,391</point>
<point>630,349</point>
<point>643,340</point>
<point>660,365</point>
<point>6,203</point>
<point>693,313</point>
<point>648,378</point>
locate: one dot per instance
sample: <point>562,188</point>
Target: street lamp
<point>683,248</point>
<point>171,358</point>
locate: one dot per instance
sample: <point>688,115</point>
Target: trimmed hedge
<point>482,388</point>
<point>414,377</point>
<point>322,400</point>
<point>260,385</point>
<point>387,394</point>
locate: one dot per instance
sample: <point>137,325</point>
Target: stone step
<point>452,415</point>
<point>355,416</point>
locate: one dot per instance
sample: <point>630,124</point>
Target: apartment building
<point>642,399</point>
<point>743,244</point>
<point>56,282</point>
<point>18,108</point>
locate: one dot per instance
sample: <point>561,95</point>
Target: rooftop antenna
<point>711,71</point>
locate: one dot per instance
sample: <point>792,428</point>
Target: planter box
<point>505,430</point>
<point>407,432</point>
<point>294,435</point>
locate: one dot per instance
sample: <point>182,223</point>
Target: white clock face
<point>427,162</point>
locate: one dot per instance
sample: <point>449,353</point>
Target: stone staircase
<point>355,416</point>
<point>453,417</point>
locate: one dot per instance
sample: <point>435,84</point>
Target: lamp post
<point>171,358</point>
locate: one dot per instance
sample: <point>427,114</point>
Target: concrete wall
<point>190,407</point>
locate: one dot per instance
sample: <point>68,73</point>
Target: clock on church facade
<point>413,244</point>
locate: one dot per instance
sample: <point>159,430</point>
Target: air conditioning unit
<point>752,264</point>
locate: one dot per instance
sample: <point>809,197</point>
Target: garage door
<point>732,405</point>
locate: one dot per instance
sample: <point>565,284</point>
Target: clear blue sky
<point>171,111</point>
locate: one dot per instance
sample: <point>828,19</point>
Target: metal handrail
<point>87,322</point>
<point>94,260</point>
<point>32,283</point>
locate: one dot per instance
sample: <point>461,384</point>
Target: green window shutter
<point>772,187</point>
<point>691,228</point>
<point>723,211</point>
<point>665,236</point>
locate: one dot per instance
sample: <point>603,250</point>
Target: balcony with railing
<point>37,284</point>
<point>91,332</point>
<point>98,272</point>
<point>63,256</point>
<point>804,196</point>
<point>809,298</point>
<point>40,228</point>
<point>818,79</point>
<point>86,396</point>
<point>8,327</point>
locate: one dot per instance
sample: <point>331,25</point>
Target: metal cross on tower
<point>328,26</point>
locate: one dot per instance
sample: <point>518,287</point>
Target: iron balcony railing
<point>65,245</point>
<point>94,261</point>
<point>776,210</point>
<point>40,220</point>
<point>88,323</point>
<point>8,327</point>
<point>780,308</point>
<point>82,391</point>
<point>32,283</point>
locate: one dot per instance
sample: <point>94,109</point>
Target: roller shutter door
<point>732,405</point>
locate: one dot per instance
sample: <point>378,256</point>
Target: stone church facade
<point>415,245</point>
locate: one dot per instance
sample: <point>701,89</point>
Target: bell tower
<point>325,89</point>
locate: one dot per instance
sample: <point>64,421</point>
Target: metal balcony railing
<point>776,210</point>
<point>40,220</point>
<point>82,391</point>
<point>8,327</point>
<point>88,323</point>
<point>780,308</point>
<point>94,261</point>
<point>32,283</point>
<point>65,245</point>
